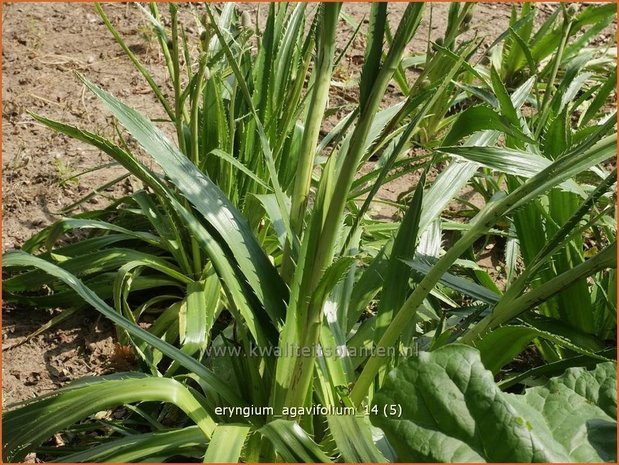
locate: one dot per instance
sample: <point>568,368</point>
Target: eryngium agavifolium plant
<point>285,321</point>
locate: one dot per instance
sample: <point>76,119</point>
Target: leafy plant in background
<point>522,51</point>
<point>252,234</point>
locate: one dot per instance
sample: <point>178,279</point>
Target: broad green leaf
<point>598,386</point>
<point>580,408</point>
<point>452,411</point>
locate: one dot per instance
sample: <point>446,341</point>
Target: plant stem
<point>317,106</point>
<point>176,81</point>
<point>345,174</point>
<point>195,151</point>
<point>327,216</point>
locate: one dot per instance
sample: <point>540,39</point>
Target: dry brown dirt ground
<point>44,44</point>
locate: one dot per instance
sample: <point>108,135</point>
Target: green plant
<point>250,247</point>
<point>456,413</point>
<point>522,51</point>
<point>575,102</point>
<point>65,174</point>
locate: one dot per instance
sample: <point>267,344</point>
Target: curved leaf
<point>505,160</point>
<point>231,228</point>
<point>259,322</point>
<point>480,118</point>
<point>292,443</point>
<point>500,346</point>
<point>28,426</point>
<point>23,259</point>
<point>138,447</point>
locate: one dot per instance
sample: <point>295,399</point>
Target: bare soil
<point>43,46</point>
